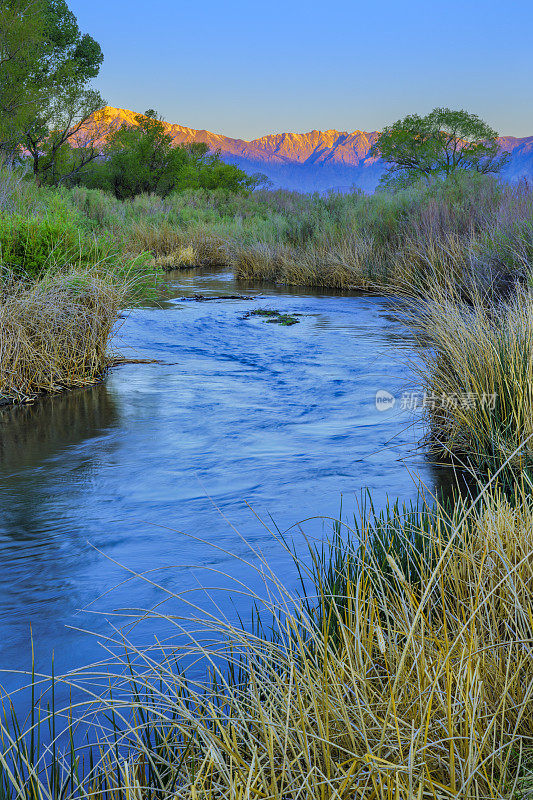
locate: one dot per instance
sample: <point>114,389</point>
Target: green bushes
<point>69,229</point>
<point>40,228</point>
<point>29,245</point>
<point>97,208</point>
<point>510,247</point>
<point>142,158</point>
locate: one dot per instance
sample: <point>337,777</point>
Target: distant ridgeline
<point>313,161</point>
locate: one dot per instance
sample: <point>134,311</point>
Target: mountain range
<point>314,161</point>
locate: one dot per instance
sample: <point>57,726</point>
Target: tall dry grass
<point>463,229</point>
<point>379,683</point>
<point>55,331</point>
<point>348,263</point>
<point>475,362</point>
<point>172,248</point>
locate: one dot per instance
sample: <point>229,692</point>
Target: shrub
<point>32,244</point>
<point>54,331</point>
<point>96,207</point>
<point>29,245</point>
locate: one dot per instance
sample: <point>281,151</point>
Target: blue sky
<point>250,68</point>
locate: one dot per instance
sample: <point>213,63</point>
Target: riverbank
<point>468,227</point>
<point>469,236</point>
<point>61,289</point>
<point>403,669</point>
<point>475,371</point>
<point>55,331</point>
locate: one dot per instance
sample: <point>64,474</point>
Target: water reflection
<point>33,433</point>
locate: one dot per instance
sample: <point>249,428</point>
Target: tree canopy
<point>143,159</point>
<point>21,35</point>
<point>438,145</point>
<point>46,64</point>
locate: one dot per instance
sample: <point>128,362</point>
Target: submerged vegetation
<point>273,316</point>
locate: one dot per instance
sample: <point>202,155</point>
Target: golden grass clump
<point>358,262</point>
<point>54,331</point>
<point>173,248</point>
<point>159,240</point>
<point>381,683</point>
<point>403,689</point>
<point>447,260</point>
<point>351,263</point>
<point>476,366</point>
<point>178,259</point>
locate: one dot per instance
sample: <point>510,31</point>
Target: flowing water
<point>170,467</point>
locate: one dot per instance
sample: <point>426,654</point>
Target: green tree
<point>65,137</point>
<point>143,159</point>
<point>66,55</point>
<point>216,174</point>
<point>21,35</point>
<point>438,145</point>
<point>63,123</point>
<point>46,103</point>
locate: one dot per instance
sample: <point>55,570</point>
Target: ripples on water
<point>142,467</point>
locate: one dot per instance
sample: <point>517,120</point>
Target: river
<point>169,467</point>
